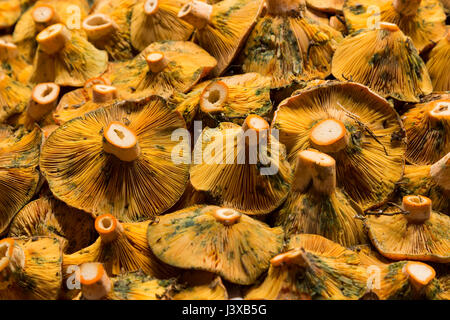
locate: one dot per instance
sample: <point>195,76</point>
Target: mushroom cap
<point>364,171</point>
<point>200,285</point>
<point>424,28</point>
<point>436,65</point>
<point>9,13</point>
<point>195,238</point>
<point>397,239</point>
<point>88,178</point>
<point>384,60</point>
<point>53,218</point>
<point>187,63</point>
<point>428,137</point>
<point>252,187</point>
<point>163,24</point>
<point>329,6</point>
<point>280,47</point>
<point>41,276</point>
<point>230,23</point>
<point>14,96</point>
<point>19,174</point>
<point>75,63</point>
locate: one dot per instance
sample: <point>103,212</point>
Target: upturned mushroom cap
<point>213,239</point>
<point>286,34</point>
<point>344,124</point>
<point>221,28</point>
<point>428,131</point>
<point>34,260</point>
<point>436,65</point>
<point>248,172</point>
<point>385,60</point>
<point>162,68</point>
<point>131,141</point>
<point>315,205</point>
<point>53,218</point>
<point>313,268</point>
<point>13,95</point>
<point>19,174</point>
<point>157,20</point>
<point>422,234</point>
<point>421,20</point>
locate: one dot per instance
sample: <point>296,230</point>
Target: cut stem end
<point>227,216</point>
<point>103,93</point>
<point>94,281</point>
<point>151,7</point>
<point>54,38</point>
<point>419,208</point>
<point>156,61</point>
<point>99,26</point>
<point>213,97</point>
<point>108,227</point>
<point>329,136</point>
<point>196,13</point>
<point>120,141</point>
<point>44,98</point>
<point>420,274</point>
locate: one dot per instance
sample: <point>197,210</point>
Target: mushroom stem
<point>108,227</point>
<point>317,167</point>
<point>95,283</point>
<point>329,136</point>
<point>407,7</point>
<point>53,39</point>
<point>440,172</point>
<point>419,274</point>
<point>156,61</point>
<point>213,97</point>
<point>284,7</point>
<point>99,27</point>
<point>120,141</point>
<point>256,129</point>
<point>93,81</point>
<point>440,112</point>
<point>389,26</point>
<point>291,257</point>
<point>196,13</point>
<point>12,258</point>
<point>103,93</point>
<point>44,98</point>
<point>151,7</point>
<point>44,15</point>
<point>419,208</point>
<point>226,216</point>
<point>8,50</point>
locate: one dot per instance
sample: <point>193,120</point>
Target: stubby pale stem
<point>151,7</point>
<point>103,93</point>
<point>213,97</point>
<point>419,274</point>
<point>95,283</point>
<point>329,136</point>
<point>407,7</point>
<point>258,125</point>
<point>54,38</point>
<point>196,13</point>
<point>8,50</point>
<point>108,227</point>
<point>99,27</point>
<point>44,15</point>
<point>389,26</point>
<point>44,98</point>
<point>226,216</point>
<point>419,208</point>
<point>317,167</point>
<point>440,111</point>
<point>120,141</point>
<point>156,61</point>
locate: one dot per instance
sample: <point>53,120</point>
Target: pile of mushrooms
<point>224,149</point>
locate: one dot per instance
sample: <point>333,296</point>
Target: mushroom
<point>96,285</point>
<point>121,247</point>
<point>14,97</point>
<point>162,68</point>
<point>437,64</point>
<point>430,180</point>
<point>315,206</point>
<point>385,60</point>
<point>49,217</point>
<point>215,239</point>
<point>13,63</point>
<point>66,58</point>
<point>10,11</point>
<point>289,47</point>
<point>312,268</point>
<point>420,234</point>
<point>221,28</point>
<point>119,160</point>
<point>428,131</point>
<point>200,285</point>
<point>244,168</point>
<point>30,269</point>
<point>19,174</point>
<point>157,20</point>
<point>358,128</point>
<point>421,20</point>
<point>328,6</point>
<point>229,99</point>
